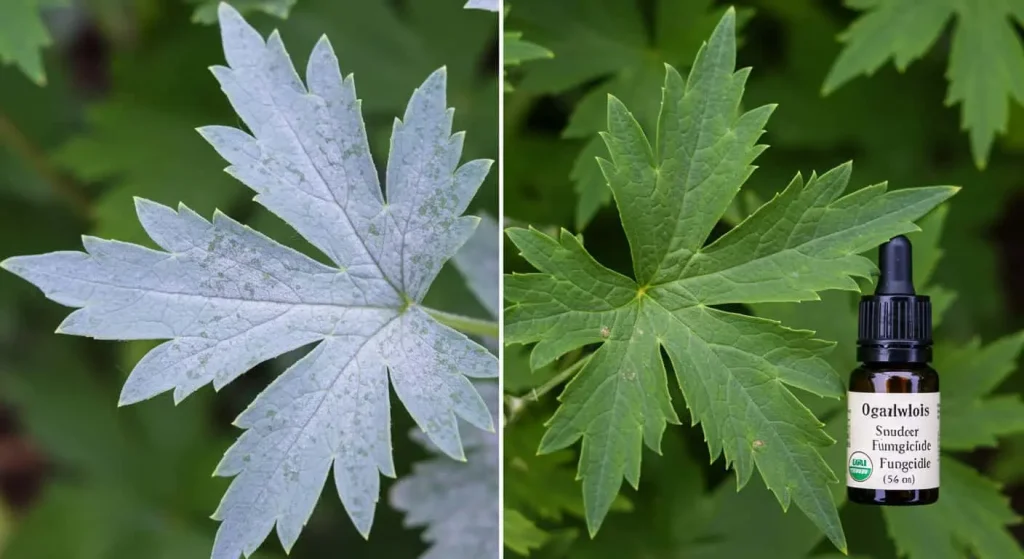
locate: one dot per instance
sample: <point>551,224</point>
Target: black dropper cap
<point>895,324</point>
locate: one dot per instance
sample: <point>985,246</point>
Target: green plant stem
<point>464,324</point>
<point>20,145</point>
<point>558,379</point>
<point>516,404</point>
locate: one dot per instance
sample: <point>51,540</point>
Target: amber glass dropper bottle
<point>892,453</point>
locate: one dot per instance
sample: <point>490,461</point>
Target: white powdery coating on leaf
<point>227,298</point>
<point>489,5</point>
<point>457,502</point>
<point>309,161</point>
<point>477,261</point>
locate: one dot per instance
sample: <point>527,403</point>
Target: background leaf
<point>986,59</point>
<point>23,34</point>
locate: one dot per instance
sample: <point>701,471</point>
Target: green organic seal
<point>860,466</point>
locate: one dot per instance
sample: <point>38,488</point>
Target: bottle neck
<point>894,354</point>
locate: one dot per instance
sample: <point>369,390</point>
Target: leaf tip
<point>225,11</point>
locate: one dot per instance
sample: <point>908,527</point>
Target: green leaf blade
<point>804,241</point>
<point>738,374</point>
<point>986,72</point>
<point>704,148</point>
<point>23,34</point>
<point>986,59</point>
<point>903,30</point>
<point>517,50</point>
<point>971,416</point>
<point>971,513</point>
<point>521,535</point>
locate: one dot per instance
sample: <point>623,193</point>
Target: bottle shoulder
<point>894,378</point>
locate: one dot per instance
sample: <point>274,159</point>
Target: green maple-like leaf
<point>521,535</point>
<point>971,416</point>
<point>986,63</point>
<point>971,516</point>
<point>518,50</point>
<point>608,41</point>
<point>23,34</point>
<point>227,298</point>
<point>969,520</point>
<point>735,371</point>
<point>541,486</point>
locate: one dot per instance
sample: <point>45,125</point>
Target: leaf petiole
<point>563,375</point>
<point>517,404</point>
<point>464,324</point>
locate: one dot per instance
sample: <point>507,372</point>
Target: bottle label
<point>893,442</point>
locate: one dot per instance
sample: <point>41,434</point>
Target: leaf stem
<point>17,142</point>
<point>516,404</point>
<point>464,324</point>
<point>537,393</point>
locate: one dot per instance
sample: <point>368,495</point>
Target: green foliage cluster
<point>610,302</point>
<point>126,86</point>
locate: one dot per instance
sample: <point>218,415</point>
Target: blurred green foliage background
<point>126,84</point>
<point>895,126</point>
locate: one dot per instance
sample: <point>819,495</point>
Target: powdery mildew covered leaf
<point>489,5</point>
<point>477,261</point>
<point>735,371</point>
<point>457,502</point>
<point>228,298</point>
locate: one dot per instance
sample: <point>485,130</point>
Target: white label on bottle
<point>893,441</point>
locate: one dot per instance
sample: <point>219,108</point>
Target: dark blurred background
<point>127,84</point>
<point>894,126</point>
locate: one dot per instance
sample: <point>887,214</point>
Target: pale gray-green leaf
<point>457,502</point>
<point>227,298</point>
<point>477,261</point>
<point>489,5</point>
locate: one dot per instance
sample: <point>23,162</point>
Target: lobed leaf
<point>968,520</point>
<point>607,43</point>
<point>986,61</point>
<point>227,297</point>
<point>23,33</point>
<point>456,501</point>
<point>736,372</point>
<point>971,415</point>
<point>521,535</point>
<point>477,261</point>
